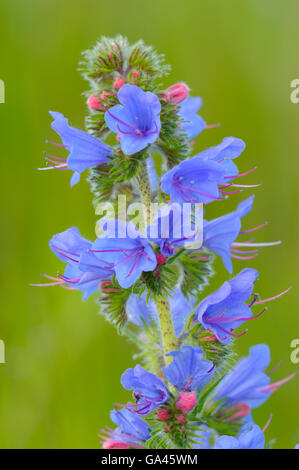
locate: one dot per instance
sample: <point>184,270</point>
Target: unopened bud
<point>163,414</point>
<point>178,92</point>
<point>94,102</point>
<point>118,83</point>
<point>186,401</point>
<point>161,259</point>
<point>113,444</point>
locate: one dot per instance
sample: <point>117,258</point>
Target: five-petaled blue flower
<point>85,150</point>
<point>136,119</point>
<point>84,270</point>
<point>193,181</point>
<point>193,123</point>
<point>128,252</point>
<point>188,370</point>
<point>219,234</point>
<point>141,311</point>
<point>250,437</point>
<point>149,391</point>
<point>225,310</point>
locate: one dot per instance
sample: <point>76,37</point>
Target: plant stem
<point>166,325</point>
<point>145,191</point>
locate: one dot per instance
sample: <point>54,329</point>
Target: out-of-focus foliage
<point>63,361</point>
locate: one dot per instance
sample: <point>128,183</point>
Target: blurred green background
<point>63,361</point>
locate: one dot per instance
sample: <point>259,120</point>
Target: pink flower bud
<point>178,92</point>
<point>105,94</point>
<point>94,102</point>
<point>186,401</point>
<point>135,74</point>
<point>163,414</point>
<point>242,410</point>
<point>118,83</point>
<point>165,96</point>
<point>113,444</point>
<point>161,259</point>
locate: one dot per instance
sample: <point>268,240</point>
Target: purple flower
<point>173,227</point>
<point>194,181</point>
<point>219,234</point>
<point>136,119</point>
<point>128,252</point>
<point>224,153</point>
<point>188,370</point>
<point>225,310</point>
<point>141,311</point>
<point>250,437</point>
<point>247,382</point>
<point>87,282</point>
<point>130,425</point>
<point>149,391</point>
<point>83,270</point>
<point>85,150</point>
<point>193,124</point>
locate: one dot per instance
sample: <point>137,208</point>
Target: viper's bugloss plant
<point>188,389</point>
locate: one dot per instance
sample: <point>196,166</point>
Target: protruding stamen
<point>256,244</point>
<point>273,298</point>
<point>276,385</point>
<point>253,318</point>
<point>253,229</point>
<point>55,143</point>
<point>231,192</point>
<point>242,174</point>
<point>243,257</point>
<point>212,126</point>
<point>267,423</point>
<point>246,185</point>
<point>55,158</point>
<point>232,334</point>
<point>275,368</point>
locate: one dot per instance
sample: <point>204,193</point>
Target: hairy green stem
<point>145,191</point>
<point>166,325</point>
<point>167,330</point>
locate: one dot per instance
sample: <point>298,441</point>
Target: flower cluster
<point>188,391</point>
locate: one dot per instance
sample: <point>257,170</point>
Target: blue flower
<point>149,391</point>
<point>188,371</point>
<point>172,227</point>
<point>130,424</point>
<point>87,282</point>
<point>224,153</point>
<point>129,253</point>
<point>141,311</point>
<point>225,310</point>
<point>69,245</point>
<point>219,234</point>
<point>136,119</point>
<point>83,270</point>
<point>250,437</point>
<point>85,150</point>
<point>247,382</point>
<point>195,180</point>
<point>193,124</point>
